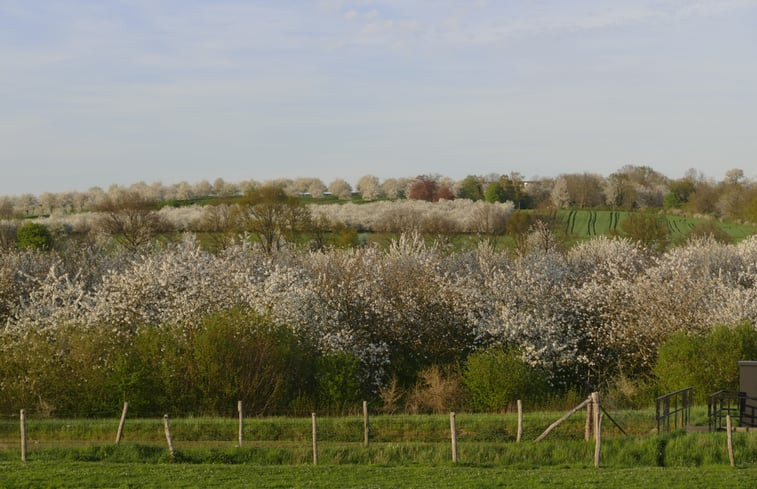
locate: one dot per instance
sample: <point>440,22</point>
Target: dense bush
<point>229,356</point>
<point>238,355</point>
<point>496,378</point>
<point>34,235</point>
<point>338,378</point>
<point>708,363</point>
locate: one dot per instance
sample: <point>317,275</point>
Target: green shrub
<point>229,356</point>
<point>34,235</point>
<point>707,363</point>
<point>239,355</point>
<point>497,377</point>
<point>647,228</point>
<point>62,371</point>
<point>338,376</point>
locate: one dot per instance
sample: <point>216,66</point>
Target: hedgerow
<point>88,325</point>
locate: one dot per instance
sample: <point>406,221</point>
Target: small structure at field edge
<point>748,393</point>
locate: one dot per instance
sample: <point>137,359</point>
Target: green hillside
<point>583,224</point>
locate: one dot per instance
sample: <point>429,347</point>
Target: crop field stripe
<point>568,225</point>
<point>573,223</point>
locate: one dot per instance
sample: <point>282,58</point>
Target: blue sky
<point>94,93</point>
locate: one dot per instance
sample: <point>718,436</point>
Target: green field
<point>117,475</point>
<point>583,224</point>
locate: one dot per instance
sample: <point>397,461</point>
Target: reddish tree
<point>444,192</point>
<point>424,188</point>
<point>427,188</point>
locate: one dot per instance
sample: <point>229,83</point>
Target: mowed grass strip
<point>87,475</point>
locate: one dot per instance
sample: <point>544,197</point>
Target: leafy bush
<point>34,235</point>
<point>238,355</point>
<point>707,363</point>
<point>229,356</point>
<point>648,229</point>
<point>62,372</point>
<point>338,377</point>
<point>497,377</point>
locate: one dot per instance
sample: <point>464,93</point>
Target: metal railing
<point>736,404</point>
<point>674,410</point>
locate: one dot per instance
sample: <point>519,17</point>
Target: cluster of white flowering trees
<point>444,217</point>
<point>603,306</point>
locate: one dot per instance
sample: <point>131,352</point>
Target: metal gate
<point>674,410</point>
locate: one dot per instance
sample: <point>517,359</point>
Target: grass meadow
<point>130,475</point>
<point>404,451</point>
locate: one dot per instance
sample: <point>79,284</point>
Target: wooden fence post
<point>23,435</point>
<point>121,423</point>
<point>589,422</point>
<point>315,442</point>
<point>519,435</point>
<point>241,422</point>
<point>729,428</point>
<point>597,428</point>
<point>366,426</point>
<point>453,434</point>
<point>169,440</point>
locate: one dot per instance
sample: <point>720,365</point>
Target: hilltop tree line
<point>631,187</point>
<point>289,211</point>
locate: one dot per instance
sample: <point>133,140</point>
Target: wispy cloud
<point>457,22</point>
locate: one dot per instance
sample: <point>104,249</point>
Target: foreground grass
<point>81,475</point>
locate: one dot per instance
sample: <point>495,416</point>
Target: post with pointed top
<point>453,433</point>
<point>315,442</point>
<point>23,435</point>
<point>241,422</point>
<point>366,426</point>
<point>121,423</point>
